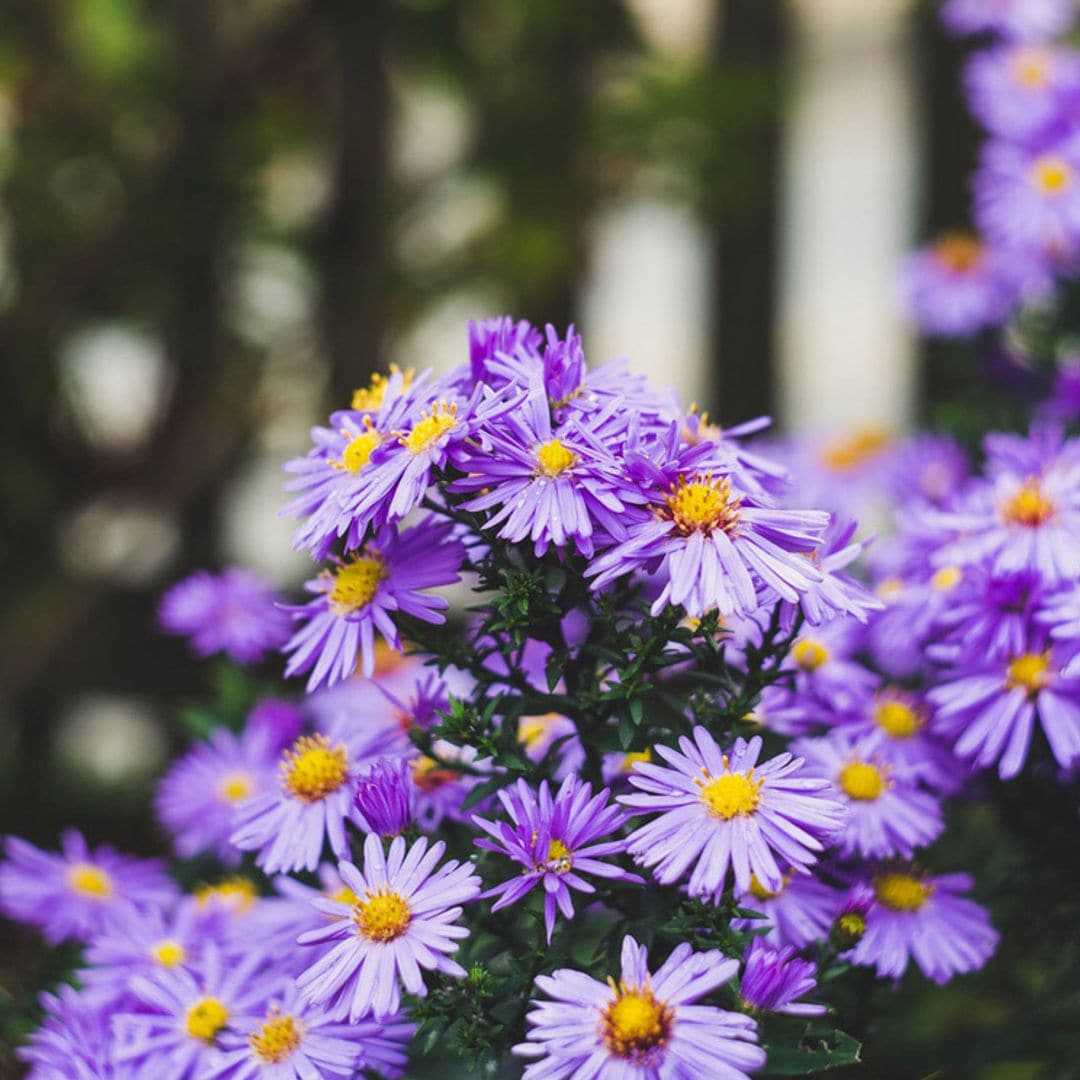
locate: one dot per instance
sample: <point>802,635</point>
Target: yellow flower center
<point>808,654</point>
<point>553,458</point>
<point>897,718</point>
<point>533,729</point>
<point>946,578</point>
<point>633,757</point>
<point>852,925</point>
<point>1031,68</point>
<point>760,892</point>
<point>344,895</point>
<point>238,893</point>
<point>1051,175</point>
<point>635,1022</point>
<point>206,1018</point>
<point>702,505</point>
<point>959,252</point>
<point>1029,506</point>
<point>311,768</point>
<point>356,583</point>
<point>559,858</point>
<point>901,892</point>
<point>730,795</point>
<point>857,448</point>
<point>91,881</point>
<point>862,781</point>
<point>383,915</point>
<point>358,452</point>
<point>370,398</point>
<point>1028,672</point>
<point>168,954</point>
<point>428,775</point>
<point>430,428</point>
<point>236,787</point>
<point>890,588</point>
<point>277,1037</point>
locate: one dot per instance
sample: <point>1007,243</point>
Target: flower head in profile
<point>79,892</point>
<point>357,598</point>
<point>721,813</point>
<point>797,913</point>
<point>773,980</point>
<point>402,919</point>
<point>647,1025</point>
<point>558,840</point>
<point>926,919</point>
<point>385,797</point>
<point>294,1040</point>
<point>234,612</point>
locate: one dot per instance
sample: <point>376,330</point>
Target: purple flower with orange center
<point>888,814</point>
<point>925,919</point>
<point>773,980</point>
<point>556,839</point>
<point>79,892</point>
<point>726,812</point>
<point>647,1025</point>
<point>797,913</point>
<point>356,599</point>
<point>403,919</point>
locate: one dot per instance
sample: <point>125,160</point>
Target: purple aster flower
<point>499,337</point>
<point>78,893</point>
<point>441,786</point>
<point>234,612</point>
<point>773,980</point>
<point>925,919</point>
<point>990,708</point>
<point>178,1016</point>
<point>293,1040</point>
<point>356,599</point>
<point>385,798</point>
<point>548,485</point>
<point>888,813</point>
<point>933,465</point>
<point>404,919</point>
<point>1029,199</point>
<point>725,810</point>
<point>798,913</point>
<point>713,546</point>
<point>196,798</point>
<point>552,732</point>
<point>648,1025</point>
<point>958,286</point>
<point>825,672</point>
<point>74,1042</point>
<point>312,801</point>
<point>1021,20</point>
<point>556,839</point>
<point>1021,91</point>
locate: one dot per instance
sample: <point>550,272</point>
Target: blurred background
<point>216,219</point>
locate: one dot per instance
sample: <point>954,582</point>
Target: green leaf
<point>488,787</point>
<point>819,1050</point>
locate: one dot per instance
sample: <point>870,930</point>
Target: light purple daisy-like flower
<point>721,812</point>
<point>547,484</point>
<point>177,1016</point>
<point>925,919</point>
<point>77,893</point>
<point>234,612</point>
<point>888,814</point>
<point>958,286</point>
<point>1021,91</point>
<point>74,1042</point>
<point>294,1040</point>
<point>443,782</point>
<point>773,980</point>
<point>196,798</point>
<point>649,1025</point>
<point>1021,20</point>
<point>713,546</point>
<point>556,839</point>
<point>312,800</point>
<point>990,708</point>
<point>357,598</point>
<point>404,919</point>
<point>798,913</point>
<point>824,668</point>
<point>555,734</point>
<point>385,798</point>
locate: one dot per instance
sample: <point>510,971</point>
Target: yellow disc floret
<point>552,458</point>
<point>702,505</point>
<point>370,398</point>
<point>236,787</point>
<point>808,654</point>
<point>430,428</point>
<point>1029,672</point>
<point>312,768</point>
<point>858,448</point>
<point>559,858</point>
<point>959,252</point>
<point>862,781</point>
<point>276,1037</point>
<point>358,451</point>
<point>635,1022</point>
<point>168,954</point>
<point>236,893</point>
<point>1029,506</point>
<point>901,892</point>
<point>946,578</point>
<point>383,915</point>
<point>1031,68</point>
<point>356,583</point>
<point>898,718</point>
<point>206,1018</point>
<point>1051,175</point>
<point>90,881</point>
<point>732,794</point>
